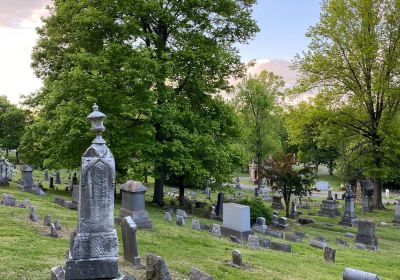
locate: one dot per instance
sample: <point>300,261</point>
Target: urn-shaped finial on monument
<point>96,118</point>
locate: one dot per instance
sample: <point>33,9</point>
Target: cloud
<point>22,13</point>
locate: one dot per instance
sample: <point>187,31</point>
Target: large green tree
<point>354,55</point>
<point>256,102</point>
<point>153,66</point>
<point>12,122</point>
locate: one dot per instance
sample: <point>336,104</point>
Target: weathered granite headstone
<point>53,231</point>
<point>275,233</point>
<point>75,196</point>
<point>349,216</point>
<point>329,254</point>
<point>216,230</point>
<point>168,216</point>
<point>237,258</point>
<point>253,242</point>
<point>367,204</point>
<point>57,273</point>
<point>220,205</point>
<point>46,175</point>
<point>282,223</point>
<point>32,215</point>
<point>57,225</point>
<point>277,202</point>
<point>197,274</point>
<point>265,243</point>
<point>58,178</point>
<point>128,229</point>
<point>260,225</point>
<point>133,204</point>
<point>366,234</point>
<point>281,247</point>
<point>396,219</point>
<point>354,274</point>
<point>180,220</point>
<point>156,268</point>
<point>47,220</point>
<point>93,250</point>
<point>8,200</point>
<point>236,220</point>
<point>329,208</point>
<point>196,224</point>
<point>293,237</point>
<point>27,180</point>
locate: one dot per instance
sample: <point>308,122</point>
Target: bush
<point>257,209</point>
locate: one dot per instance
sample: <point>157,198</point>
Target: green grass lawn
<point>27,252</point>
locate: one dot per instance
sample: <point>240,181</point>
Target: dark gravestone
<point>366,234</point>
<point>32,215</point>
<point>51,184</point>
<point>329,194</point>
<point>24,203</point>
<point>75,180</point>
<point>57,225</point>
<point>128,229</point>
<point>329,254</point>
<point>156,268</point>
<point>342,242</point>
<point>281,247</point>
<point>58,178</point>
<point>367,204</point>
<point>197,274</point>
<point>27,180</point>
<point>396,219</point>
<point>220,203</point>
<point>277,202</point>
<point>46,175</point>
<point>336,196</point>
<point>47,220</point>
<point>354,274</point>
<point>235,239</point>
<point>265,243</point>
<point>237,258</point>
<point>93,250</point>
<point>318,243</point>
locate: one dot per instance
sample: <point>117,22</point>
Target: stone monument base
<point>350,222</point>
<point>58,273</point>
<point>241,235</point>
<point>329,209</point>
<point>141,218</point>
<point>96,268</point>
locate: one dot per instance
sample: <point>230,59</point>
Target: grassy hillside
<point>27,252</point>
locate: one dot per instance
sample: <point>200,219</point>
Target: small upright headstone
<point>57,224</point>
<point>32,215</point>
<point>260,225</point>
<point>24,203</point>
<point>180,212</point>
<point>156,268</point>
<point>237,258</point>
<point>58,178</point>
<point>220,204</point>
<point>349,216</point>
<point>128,229</point>
<point>53,231</point>
<point>47,220</point>
<point>216,230</point>
<point>293,211</point>
<point>168,216</point>
<point>27,180</point>
<point>180,220</point>
<point>282,223</point>
<point>329,254</point>
<point>196,224</point>
<point>75,179</point>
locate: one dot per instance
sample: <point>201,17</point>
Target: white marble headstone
<point>236,217</point>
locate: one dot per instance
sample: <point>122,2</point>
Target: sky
<point>282,23</point>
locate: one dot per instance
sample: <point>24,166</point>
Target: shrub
<point>257,209</point>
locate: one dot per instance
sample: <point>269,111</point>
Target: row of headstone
<point>10,200</point>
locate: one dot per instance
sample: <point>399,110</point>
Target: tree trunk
<point>316,166</point>
<point>16,156</point>
<point>377,202</point>
<point>286,199</point>
<point>160,174</point>
<point>145,175</point>
<point>330,167</point>
<point>181,197</point>
<point>6,152</point>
